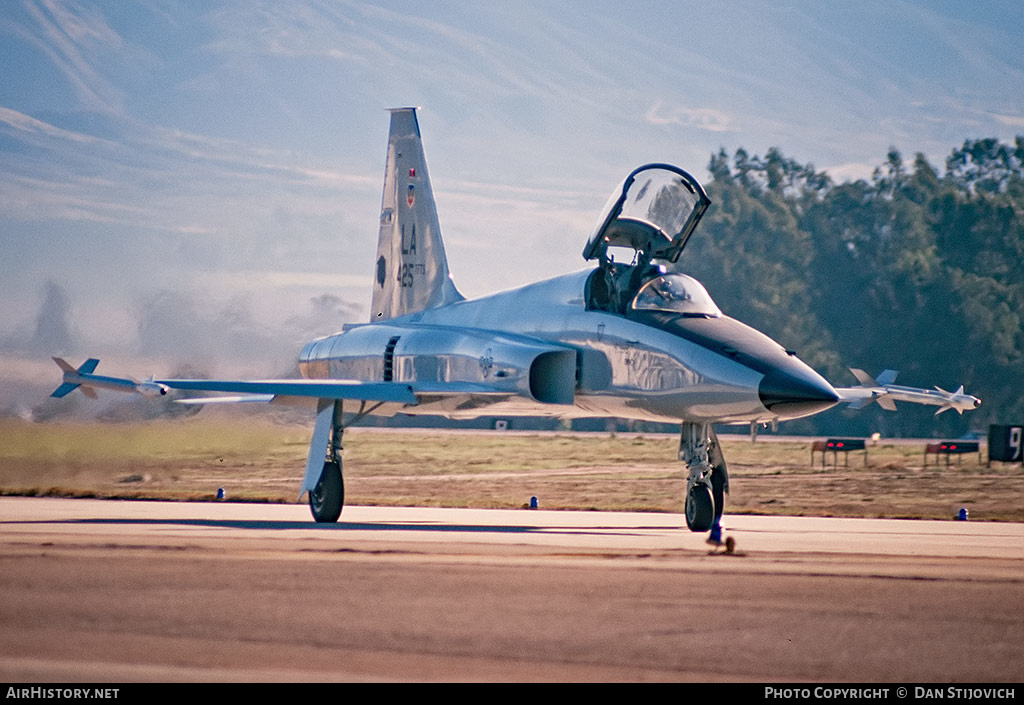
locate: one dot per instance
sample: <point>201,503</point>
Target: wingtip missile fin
<point>63,390</point>
<point>887,377</point>
<point>863,377</point>
<point>886,402</point>
<point>63,364</point>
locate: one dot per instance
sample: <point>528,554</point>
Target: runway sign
<point>1005,443</point>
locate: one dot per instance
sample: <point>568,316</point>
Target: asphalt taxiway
<point>141,591</point>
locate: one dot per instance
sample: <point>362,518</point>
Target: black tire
<point>328,497</point>
<point>700,509</point>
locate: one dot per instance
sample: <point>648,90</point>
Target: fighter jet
<point>628,339</point>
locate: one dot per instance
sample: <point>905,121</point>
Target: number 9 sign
<point>1006,443</point>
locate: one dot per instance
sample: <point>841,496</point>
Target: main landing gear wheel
<point>327,498</point>
<point>700,509</point>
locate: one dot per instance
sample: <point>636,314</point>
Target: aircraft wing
<point>274,390</point>
<point>292,391</point>
<point>271,389</point>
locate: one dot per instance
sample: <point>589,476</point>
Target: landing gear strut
<point>323,479</point>
<point>708,480</point>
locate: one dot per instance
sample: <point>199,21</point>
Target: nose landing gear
<point>707,482</point>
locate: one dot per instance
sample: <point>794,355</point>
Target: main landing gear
<point>323,479</point>
<point>327,496</point>
<point>707,482</point>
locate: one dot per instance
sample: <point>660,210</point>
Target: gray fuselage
<point>654,366</point>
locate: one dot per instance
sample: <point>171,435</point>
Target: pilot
<point>641,272</point>
<point>603,289</point>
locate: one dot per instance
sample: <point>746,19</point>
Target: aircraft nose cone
<point>792,396</point>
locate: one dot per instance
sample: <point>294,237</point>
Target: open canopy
<point>654,211</point>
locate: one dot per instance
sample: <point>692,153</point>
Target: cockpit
<point>617,288</point>
<point>675,293</point>
<point>651,216</point>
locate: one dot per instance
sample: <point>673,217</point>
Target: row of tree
<point>911,270</point>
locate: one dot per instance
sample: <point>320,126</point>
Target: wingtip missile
<point>83,378</point>
<point>883,391</point>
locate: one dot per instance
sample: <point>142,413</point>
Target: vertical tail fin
<point>411,268</point>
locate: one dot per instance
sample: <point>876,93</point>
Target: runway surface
<point>140,591</point>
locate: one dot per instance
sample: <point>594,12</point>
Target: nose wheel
<point>700,508</point>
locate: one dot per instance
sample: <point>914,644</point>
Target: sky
<point>200,183</point>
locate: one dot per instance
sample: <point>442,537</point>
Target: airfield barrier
<point>950,448</point>
<point>835,446</point>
